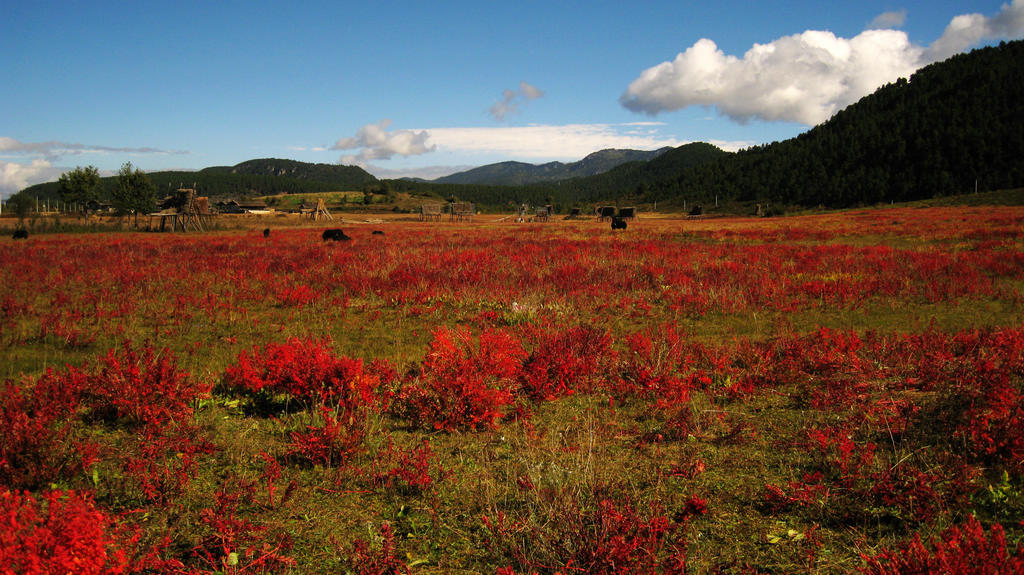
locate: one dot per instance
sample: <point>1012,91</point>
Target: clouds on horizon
<point>806,77</point>
<point>15,176</point>
<point>54,150</point>
<point>543,143</point>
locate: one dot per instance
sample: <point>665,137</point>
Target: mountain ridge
<point>513,173</point>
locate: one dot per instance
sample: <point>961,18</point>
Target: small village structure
<point>430,212</point>
<point>184,211</point>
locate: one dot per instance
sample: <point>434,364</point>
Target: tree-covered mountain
<point>954,126</point>
<point>261,177</point>
<point>521,173</point>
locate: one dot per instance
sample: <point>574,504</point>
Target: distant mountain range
<point>521,173</point>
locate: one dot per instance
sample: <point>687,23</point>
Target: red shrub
<point>165,461</point>
<point>462,385</point>
<point>332,444</point>
<point>141,387</point>
<point>37,441</point>
<point>563,362</point>
<point>365,560</point>
<point>409,467</point>
<point>61,532</point>
<point>305,370</point>
<point>964,549</point>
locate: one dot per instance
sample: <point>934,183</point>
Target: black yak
<point>336,235</point>
<point>20,234</point>
<point>266,232</point>
<point>618,223</point>
<point>378,233</point>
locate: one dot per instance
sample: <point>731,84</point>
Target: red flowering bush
<point>364,559</point>
<point>578,358</point>
<point>141,387</point>
<point>462,385</point>
<point>964,549</point>
<point>406,468</point>
<point>37,441</point>
<point>305,370</point>
<point>60,532</point>
<point>332,444</point>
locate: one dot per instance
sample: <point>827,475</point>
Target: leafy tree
<point>135,192</point>
<point>21,204</point>
<point>80,186</point>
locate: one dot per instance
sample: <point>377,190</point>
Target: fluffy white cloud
<point>511,100</point>
<point>805,77</point>
<point>375,142</point>
<point>15,177</point>
<point>967,30</point>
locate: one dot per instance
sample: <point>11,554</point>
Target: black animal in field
<point>335,235</point>
<point>618,223</point>
<point>378,233</point>
<point>266,232</point>
<point>20,234</point>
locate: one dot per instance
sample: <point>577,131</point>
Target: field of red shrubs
<point>839,393</point>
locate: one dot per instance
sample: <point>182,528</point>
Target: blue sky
<point>411,88</point>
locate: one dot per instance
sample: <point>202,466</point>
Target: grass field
<point>828,393</point>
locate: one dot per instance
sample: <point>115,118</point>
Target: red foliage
<point>61,532</point>
<point>141,387</point>
<point>307,371</point>
<point>409,468</point>
<point>578,358</point>
<point>462,385</point>
<point>383,561</point>
<point>964,549</point>
<point>332,444</point>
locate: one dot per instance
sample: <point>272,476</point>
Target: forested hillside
<point>262,177</point>
<point>953,125</point>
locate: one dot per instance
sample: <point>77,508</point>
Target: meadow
<point>831,393</point>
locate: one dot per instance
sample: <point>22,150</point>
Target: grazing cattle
<point>335,235</point>
<point>378,233</point>
<point>696,210</point>
<point>266,232</point>
<point>21,234</point>
<point>618,223</point>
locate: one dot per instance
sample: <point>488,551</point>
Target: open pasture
<point>823,394</point>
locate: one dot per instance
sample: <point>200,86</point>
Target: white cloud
<point>968,30</point>
<point>424,172</point>
<point>804,77</point>
<point>54,149</point>
<point>376,143</point>
<point>512,100</point>
<point>571,141</point>
<point>15,177</point>
<point>892,19</point>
